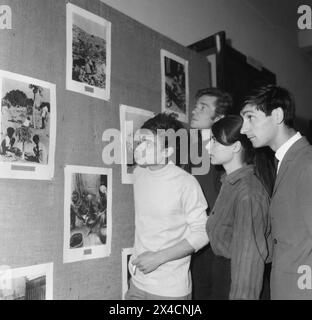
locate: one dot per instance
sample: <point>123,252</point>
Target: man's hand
<point>147,261</point>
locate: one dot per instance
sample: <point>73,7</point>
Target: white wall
<point>251,27</point>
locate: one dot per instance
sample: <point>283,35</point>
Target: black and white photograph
<point>155,150</point>
<point>27,127</point>
<point>174,85</point>
<point>126,275</point>
<point>87,213</point>
<point>27,283</point>
<point>88,53</point>
<point>131,120</point>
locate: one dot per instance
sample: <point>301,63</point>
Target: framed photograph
<point>131,119</point>
<point>126,276</point>
<point>174,85</point>
<point>213,48</point>
<point>27,283</point>
<point>88,62</point>
<point>87,213</point>
<point>27,127</point>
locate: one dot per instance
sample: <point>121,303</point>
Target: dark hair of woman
<point>227,131</point>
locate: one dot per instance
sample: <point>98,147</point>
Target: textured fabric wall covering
<point>31,212</point>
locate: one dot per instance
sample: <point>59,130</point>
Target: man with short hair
<point>170,217</point>
<point>40,153</point>
<point>44,115</point>
<point>8,142</point>
<point>269,121</point>
<point>211,105</point>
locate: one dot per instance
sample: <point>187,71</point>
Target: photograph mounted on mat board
<point>174,85</point>
<point>126,276</point>
<point>88,54</point>
<point>87,213</point>
<point>27,283</point>
<point>27,127</point>
<point>131,119</point>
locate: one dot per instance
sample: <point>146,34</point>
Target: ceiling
<point>277,13</point>
<point>169,16</point>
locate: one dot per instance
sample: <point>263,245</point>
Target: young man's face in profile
<point>259,128</point>
<point>149,149</point>
<point>204,114</point>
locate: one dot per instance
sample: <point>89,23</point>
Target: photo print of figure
<point>27,283</point>
<point>88,53</point>
<point>131,120</point>
<point>27,126</point>
<point>87,213</point>
<point>175,88</point>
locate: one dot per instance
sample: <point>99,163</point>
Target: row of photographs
<point>36,282</point>
<point>28,129</point>
<point>28,136</point>
<point>87,233</point>
<point>28,105</point>
<point>87,218</point>
<point>89,63</point>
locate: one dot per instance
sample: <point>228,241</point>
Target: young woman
<point>238,225</point>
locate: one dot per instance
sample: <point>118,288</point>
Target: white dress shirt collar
<point>281,151</point>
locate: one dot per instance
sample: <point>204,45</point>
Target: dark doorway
<point>235,72</point>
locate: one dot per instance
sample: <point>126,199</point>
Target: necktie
<point>276,161</point>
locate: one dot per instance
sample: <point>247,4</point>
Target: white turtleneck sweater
<point>169,207</point>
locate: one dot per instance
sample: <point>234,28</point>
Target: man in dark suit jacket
<point>211,105</point>
<point>269,121</point>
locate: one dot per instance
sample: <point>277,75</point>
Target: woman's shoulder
<point>251,186</point>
